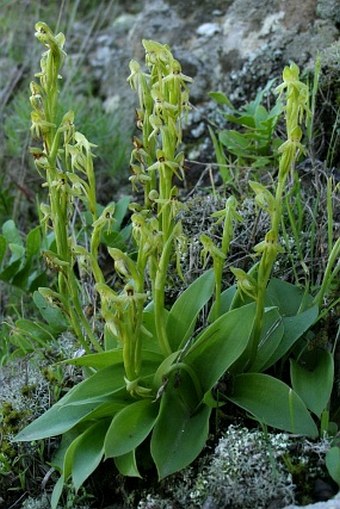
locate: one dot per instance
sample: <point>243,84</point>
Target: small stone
<point>208,29</point>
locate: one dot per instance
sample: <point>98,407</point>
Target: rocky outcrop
<point>234,46</point>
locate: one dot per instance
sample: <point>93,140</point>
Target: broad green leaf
<point>127,465</point>
<point>68,457</point>
<point>33,242</point>
<point>333,463</point>
<point>77,404</point>
<point>21,277</point>
<point>130,427</point>
<point>244,120</point>
<point>89,452</point>
<point>294,327</point>
<point>273,403</point>
<point>179,434</point>
<point>121,209</point>
<point>289,298</point>
<point>183,314</point>
<point>221,98</point>
<point>56,493</point>
<point>101,360</point>
<point>37,280</point>
<point>271,336</point>
<point>116,239</point>
<point>55,421</point>
<point>105,382</point>
<point>18,253</point>
<point>11,233</point>
<point>220,345</point>
<point>314,387</point>
<point>261,114</point>
<point>10,270</point>
<point>111,407</point>
<point>234,141</point>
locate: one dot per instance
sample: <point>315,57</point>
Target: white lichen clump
<point>246,471</point>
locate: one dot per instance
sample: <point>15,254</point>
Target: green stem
<point>218,271</point>
<point>329,275</point>
<point>158,294</point>
<point>268,257</point>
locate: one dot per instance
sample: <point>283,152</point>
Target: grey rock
<point>232,46</point>
<point>334,503</point>
<point>329,9</point>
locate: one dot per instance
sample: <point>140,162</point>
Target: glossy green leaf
<point>220,345</point>
<point>333,463</point>
<point>117,239</point>
<point>98,360</point>
<point>271,337</point>
<point>221,98</point>
<point>56,493</point>
<point>89,452</point>
<point>37,280</point>
<point>18,253</point>
<point>55,421</point>
<point>111,407</point>
<point>10,270</point>
<point>180,433</point>
<point>243,120</point>
<point>105,382</point>
<point>183,314</point>
<point>11,233</point>
<point>101,360</point>
<point>33,242</point>
<point>314,386</point>
<point>68,457</point>
<point>130,427</point>
<point>294,327</point>
<point>77,404</point>
<point>121,210</point>
<point>127,465</point>
<point>289,298</point>
<point>273,403</point>
<point>234,141</point>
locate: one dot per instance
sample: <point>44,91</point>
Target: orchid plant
<point>149,374</point>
